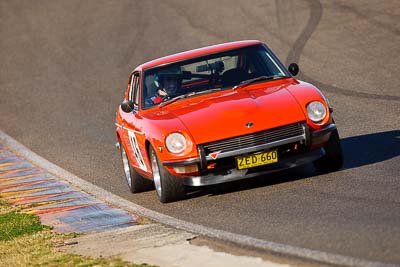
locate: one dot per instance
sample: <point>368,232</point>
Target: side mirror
<point>293,69</point>
<point>127,106</point>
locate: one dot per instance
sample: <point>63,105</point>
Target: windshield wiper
<point>260,78</point>
<point>179,97</point>
<point>206,91</point>
<point>174,99</point>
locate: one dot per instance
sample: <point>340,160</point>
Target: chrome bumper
<point>321,136</point>
<point>235,174</point>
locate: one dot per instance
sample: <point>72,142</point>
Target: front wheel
<point>135,181</point>
<point>333,159</point>
<point>169,188</point>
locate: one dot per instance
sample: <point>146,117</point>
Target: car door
<point>133,137</point>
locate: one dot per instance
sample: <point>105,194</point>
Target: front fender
<point>305,93</point>
<point>157,125</point>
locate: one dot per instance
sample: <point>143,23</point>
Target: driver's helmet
<point>169,79</point>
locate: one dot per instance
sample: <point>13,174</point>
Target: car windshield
<point>209,73</point>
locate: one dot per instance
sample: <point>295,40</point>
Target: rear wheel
<point>134,180</point>
<point>333,159</point>
<point>169,188</point>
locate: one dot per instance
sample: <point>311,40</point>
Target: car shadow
<point>370,148</point>
<point>358,151</point>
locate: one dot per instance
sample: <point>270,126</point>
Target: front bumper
<point>311,142</point>
<point>234,174</point>
<point>322,136</point>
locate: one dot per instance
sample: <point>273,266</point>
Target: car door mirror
<point>293,69</point>
<point>127,106</point>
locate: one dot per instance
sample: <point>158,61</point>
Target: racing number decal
<point>136,151</point>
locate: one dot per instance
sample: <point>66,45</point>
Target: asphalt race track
<point>65,65</point>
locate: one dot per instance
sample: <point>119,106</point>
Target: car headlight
<point>176,143</point>
<point>316,111</point>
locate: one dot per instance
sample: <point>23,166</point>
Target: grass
<point>14,224</point>
<point>25,242</point>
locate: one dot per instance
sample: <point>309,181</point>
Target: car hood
<point>237,112</point>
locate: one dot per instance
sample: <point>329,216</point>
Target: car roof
<point>196,52</point>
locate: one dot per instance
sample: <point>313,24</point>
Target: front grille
<point>255,139</point>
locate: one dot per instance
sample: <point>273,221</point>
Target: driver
<point>167,83</point>
<point>170,87</point>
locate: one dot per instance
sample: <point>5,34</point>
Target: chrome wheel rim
<point>156,174</point>
<point>125,162</point>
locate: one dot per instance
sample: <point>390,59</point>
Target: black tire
<point>333,159</point>
<point>135,181</point>
<point>169,188</point>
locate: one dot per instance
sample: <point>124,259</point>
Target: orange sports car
<point>218,114</point>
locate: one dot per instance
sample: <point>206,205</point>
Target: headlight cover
<point>176,143</point>
<point>316,111</point>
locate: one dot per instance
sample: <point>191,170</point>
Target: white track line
<point>100,193</point>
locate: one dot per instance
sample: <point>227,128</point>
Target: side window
<point>134,89</point>
<point>131,87</point>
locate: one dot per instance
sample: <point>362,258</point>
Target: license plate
<point>256,160</point>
